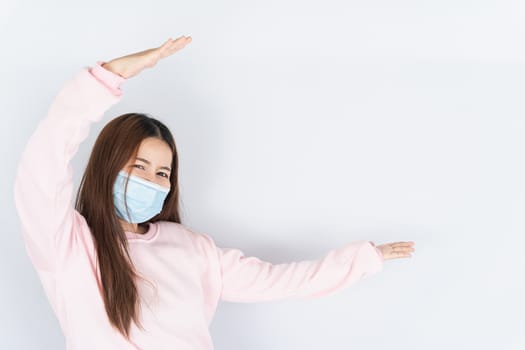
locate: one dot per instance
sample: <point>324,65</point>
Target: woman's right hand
<point>396,250</point>
<point>131,65</point>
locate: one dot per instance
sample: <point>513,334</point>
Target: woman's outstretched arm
<point>250,279</point>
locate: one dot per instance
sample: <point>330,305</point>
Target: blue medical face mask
<point>144,198</point>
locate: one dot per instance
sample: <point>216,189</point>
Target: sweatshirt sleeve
<point>249,279</point>
<point>43,185</point>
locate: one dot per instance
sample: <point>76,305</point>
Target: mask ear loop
<point>125,197</point>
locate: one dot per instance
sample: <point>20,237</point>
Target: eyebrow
<point>148,162</point>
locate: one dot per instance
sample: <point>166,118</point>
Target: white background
<point>302,126</point>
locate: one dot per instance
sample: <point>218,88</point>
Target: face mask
<point>144,198</point>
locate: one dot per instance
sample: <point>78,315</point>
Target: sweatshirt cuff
<point>111,80</point>
<point>378,251</point>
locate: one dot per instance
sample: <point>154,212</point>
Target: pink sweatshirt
<point>191,273</point>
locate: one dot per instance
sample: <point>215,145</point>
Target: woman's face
<point>153,162</point>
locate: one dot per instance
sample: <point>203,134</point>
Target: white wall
<point>302,126</point>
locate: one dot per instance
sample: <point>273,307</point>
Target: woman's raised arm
<point>43,186</point>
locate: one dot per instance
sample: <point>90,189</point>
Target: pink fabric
<point>190,272</point>
<point>109,79</point>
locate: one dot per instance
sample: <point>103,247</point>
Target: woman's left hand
<point>130,65</point>
<point>396,250</point>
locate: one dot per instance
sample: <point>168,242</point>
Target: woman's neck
<point>135,228</point>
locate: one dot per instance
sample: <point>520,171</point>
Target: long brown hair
<point>116,144</point>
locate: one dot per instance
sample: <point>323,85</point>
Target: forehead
<point>155,150</point>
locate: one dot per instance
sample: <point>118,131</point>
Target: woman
<point>119,268</point>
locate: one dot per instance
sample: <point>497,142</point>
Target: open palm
<point>396,250</point>
<point>132,64</point>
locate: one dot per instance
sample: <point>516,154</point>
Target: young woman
<point>119,268</point>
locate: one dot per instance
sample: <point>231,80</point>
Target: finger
<point>397,255</point>
<point>180,41</point>
<point>183,37</point>
<point>171,43</point>
<point>403,249</point>
<point>407,251</point>
<point>174,46</point>
<point>402,244</point>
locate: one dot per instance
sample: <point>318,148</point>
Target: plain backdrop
<point>302,126</point>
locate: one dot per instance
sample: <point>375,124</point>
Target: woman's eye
<point>142,167</point>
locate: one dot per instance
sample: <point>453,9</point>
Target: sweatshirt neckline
<point>153,229</point>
